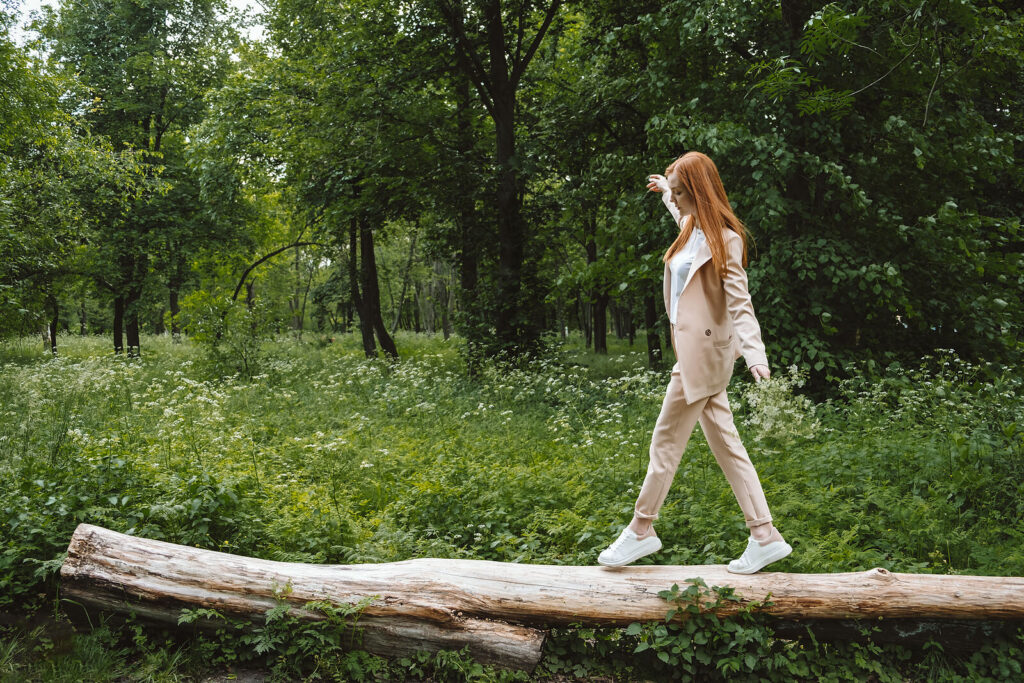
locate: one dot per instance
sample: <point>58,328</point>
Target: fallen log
<point>494,607</point>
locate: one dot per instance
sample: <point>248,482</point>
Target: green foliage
<point>230,332</point>
<point>294,644</point>
<point>701,644</point>
<point>330,457</point>
<point>739,643</point>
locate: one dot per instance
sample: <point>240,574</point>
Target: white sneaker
<point>757,556</point>
<point>628,548</point>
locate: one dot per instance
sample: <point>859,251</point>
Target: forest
<point>360,281</point>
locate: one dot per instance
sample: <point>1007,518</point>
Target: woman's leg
<point>668,442</point>
<point>719,429</point>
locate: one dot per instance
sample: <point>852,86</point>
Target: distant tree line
<point>479,166</point>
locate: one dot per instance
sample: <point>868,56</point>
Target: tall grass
<point>326,456</point>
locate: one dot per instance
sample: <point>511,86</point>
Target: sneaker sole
<point>775,556</point>
<point>632,558</point>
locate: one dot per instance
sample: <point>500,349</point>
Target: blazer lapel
<point>666,286</point>
<point>703,256</point>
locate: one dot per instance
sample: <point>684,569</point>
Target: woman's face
<point>681,198</point>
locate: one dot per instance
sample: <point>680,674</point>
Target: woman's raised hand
<point>658,183</point>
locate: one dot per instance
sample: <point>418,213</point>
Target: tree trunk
<point>293,300</point>
<point>110,571</point>
<point>654,354</point>
<point>448,302</point>
<point>371,291</point>
<point>118,324</point>
<point>417,319</point>
<point>82,318</point>
<point>596,319</point>
<point>470,228</point>
<point>54,321</point>
<point>365,321</point>
<point>174,288</point>
<point>313,269</point>
<point>426,296</point>
<point>631,325</point>
<point>131,327</point>
<point>494,607</point>
<point>405,284</point>
<point>583,317</point>
<point>172,302</point>
<point>600,311</point>
<point>349,316</point>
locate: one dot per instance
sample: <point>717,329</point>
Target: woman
<point>713,324</point>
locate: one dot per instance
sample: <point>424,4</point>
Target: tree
<point>146,67</point>
<point>56,182</point>
<point>496,42</point>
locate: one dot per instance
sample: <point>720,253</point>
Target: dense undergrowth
<point>321,455</point>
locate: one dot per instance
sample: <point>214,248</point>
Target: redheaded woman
<point>713,324</point>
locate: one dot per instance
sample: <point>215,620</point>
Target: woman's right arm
<point>672,208</point>
<point>660,184</point>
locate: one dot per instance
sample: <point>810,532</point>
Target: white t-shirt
<point>679,265</point>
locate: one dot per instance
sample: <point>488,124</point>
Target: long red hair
<point>699,177</point>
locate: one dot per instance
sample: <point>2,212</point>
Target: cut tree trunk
<point>109,571</point>
<point>494,607</point>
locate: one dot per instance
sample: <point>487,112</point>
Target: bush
<point>229,332</point>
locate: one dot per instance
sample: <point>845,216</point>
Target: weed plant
<point>324,456</point>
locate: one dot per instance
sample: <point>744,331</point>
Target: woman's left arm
<point>741,310</point>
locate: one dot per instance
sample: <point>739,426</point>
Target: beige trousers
<point>672,433</point>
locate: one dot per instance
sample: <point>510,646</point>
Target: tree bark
<point>131,326</point>
<point>110,571</point>
<point>118,324</point>
<point>583,316</point>
<point>371,290</point>
<point>365,323</point>
<point>54,321</point>
<point>444,602</point>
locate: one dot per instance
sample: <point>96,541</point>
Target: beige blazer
<point>715,322</point>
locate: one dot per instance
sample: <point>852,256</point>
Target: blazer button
<point>707,333</point>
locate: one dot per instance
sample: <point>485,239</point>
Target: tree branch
<point>935,80</point>
<point>520,31</point>
<point>883,76</point>
<point>519,68</point>
<point>272,254</point>
<point>471,64</point>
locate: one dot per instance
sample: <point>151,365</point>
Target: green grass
<point>325,456</point>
